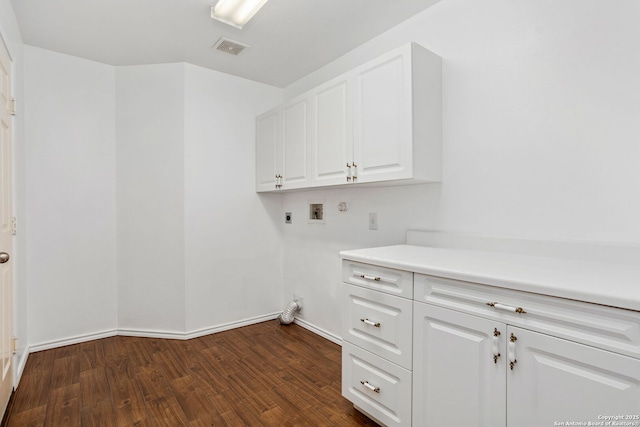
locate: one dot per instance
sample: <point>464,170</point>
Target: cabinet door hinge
<point>14,225</point>
<point>13,106</point>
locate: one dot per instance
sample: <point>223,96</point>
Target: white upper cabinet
<point>382,120</point>
<point>268,150</point>
<point>295,144</point>
<point>282,144</point>
<point>332,136</point>
<point>378,123</point>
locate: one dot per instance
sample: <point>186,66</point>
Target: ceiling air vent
<point>231,47</point>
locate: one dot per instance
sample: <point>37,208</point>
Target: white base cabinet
<point>463,375</point>
<point>456,381</point>
<point>486,356</point>
<point>377,349</point>
<point>379,323</point>
<point>377,387</point>
<point>556,380</point>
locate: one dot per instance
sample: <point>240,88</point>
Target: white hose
<point>290,310</point>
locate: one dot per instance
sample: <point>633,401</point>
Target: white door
<point>555,381</point>
<point>6,244</point>
<point>456,380</point>
<point>268,150</point>
<point>383,116</point>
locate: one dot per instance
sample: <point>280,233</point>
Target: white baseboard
<point>145,333</point>
<point>230,325</point>
<point>197,333</point>
<point>319,331</point>
<point>149,333</point>
<point>72,340</point>
<point>167,335</point>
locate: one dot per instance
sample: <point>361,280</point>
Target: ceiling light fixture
<point>236,12</point>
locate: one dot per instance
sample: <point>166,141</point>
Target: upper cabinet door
<point>268,149</point>
<point>383,118</point>
<point>398,117</point>
<point>295,142</point>
<point>332,139</point>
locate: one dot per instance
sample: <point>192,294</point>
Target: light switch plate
<point>373,221</point>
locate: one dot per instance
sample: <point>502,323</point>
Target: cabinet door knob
<point>511,350</point>
<point>495,345</point>
<point>505,307</point>
<point>370,322</point>
<point>370,387</point>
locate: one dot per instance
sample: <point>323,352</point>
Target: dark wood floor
<point>260,375</point>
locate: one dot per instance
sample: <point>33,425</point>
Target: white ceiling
<point>288,38</point>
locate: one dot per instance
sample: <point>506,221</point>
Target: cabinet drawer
<point>379,323</point>
<point>592,324</point>
<point>387,280</point>
<point>377,387</point>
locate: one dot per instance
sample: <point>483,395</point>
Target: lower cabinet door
<point>556,382</point>
<point>377,387</point>
<point>457,381</point>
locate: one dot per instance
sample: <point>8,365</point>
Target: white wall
<point>233,236</point>
<point>196,246</point>
<point>132,172</point>
<point>540,119</point>
<point>70,196</point>
<point>10,33</point>
<point>150,191</point>
<point>312,268</point>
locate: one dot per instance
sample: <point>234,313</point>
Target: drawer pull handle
<point>366,276</point>
<point>504,307</point>
<point>371,322</point>
<point>511,350</point>
<point>495,347</point>
<point>370,387</point>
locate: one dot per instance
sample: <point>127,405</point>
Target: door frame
<point>13,376</point>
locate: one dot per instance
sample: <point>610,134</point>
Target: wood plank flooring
<point>260,375</point>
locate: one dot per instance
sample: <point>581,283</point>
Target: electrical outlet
<point>373,221</point>
<point>287,217</point>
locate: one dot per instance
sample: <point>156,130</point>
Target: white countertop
<point>616,285</point>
